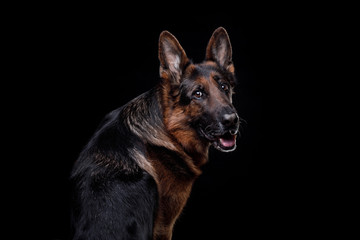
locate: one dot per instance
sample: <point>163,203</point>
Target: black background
<point>80,62</point>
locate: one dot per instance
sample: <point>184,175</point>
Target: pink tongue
<point>228,142</point>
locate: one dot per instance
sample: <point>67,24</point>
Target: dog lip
<point>225,142</point>
<point>214,137</point>
<point>234,132</point>
<point>228,140</point>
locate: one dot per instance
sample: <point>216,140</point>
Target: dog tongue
<point>228,142</point>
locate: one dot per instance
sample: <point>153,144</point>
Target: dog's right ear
<point>172,57</point>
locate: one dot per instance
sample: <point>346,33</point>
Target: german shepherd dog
<point>135,175</point>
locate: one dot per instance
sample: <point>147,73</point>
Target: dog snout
<point>229,120</point>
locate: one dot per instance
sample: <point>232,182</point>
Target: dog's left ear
<point>172,57</point>
<point>219,49</point>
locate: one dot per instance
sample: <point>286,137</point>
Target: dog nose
<point>230,119</point>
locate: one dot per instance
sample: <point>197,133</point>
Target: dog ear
<point>219,49</point>
<point>172,57</point>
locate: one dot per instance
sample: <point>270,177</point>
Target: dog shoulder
<point>109,184</point>
<point>108,152</point>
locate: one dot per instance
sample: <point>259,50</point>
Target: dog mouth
<point>225,142</point>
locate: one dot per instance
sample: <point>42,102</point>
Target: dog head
<point>197,98</point>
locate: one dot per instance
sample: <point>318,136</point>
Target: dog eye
<point>198,94</point>
<point>225,87</point>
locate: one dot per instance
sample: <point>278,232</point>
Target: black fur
<point>133,178</point>
<point>114,197</point>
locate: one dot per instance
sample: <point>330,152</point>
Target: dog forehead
<point>202,71</point>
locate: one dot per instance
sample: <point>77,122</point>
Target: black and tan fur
<point>135,175</point>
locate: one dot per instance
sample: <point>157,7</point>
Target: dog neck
<point>153,118</point>
<point>179,129</point>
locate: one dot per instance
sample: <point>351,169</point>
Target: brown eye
<point>225,87</point>
<point>198,94</point>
